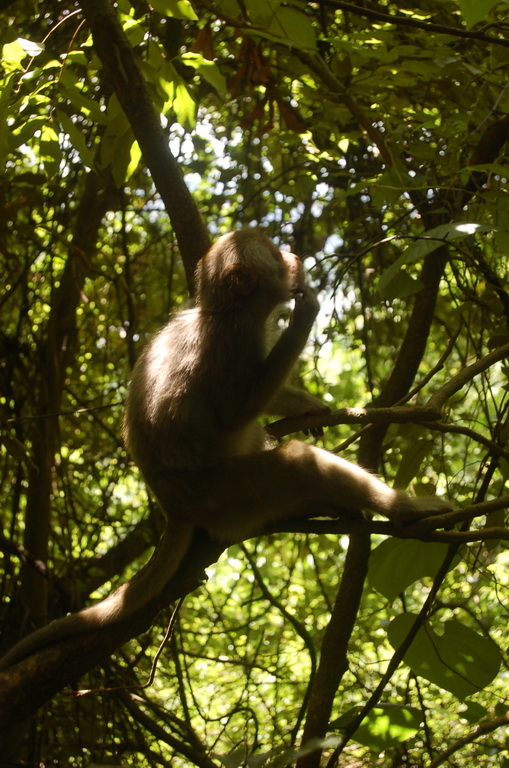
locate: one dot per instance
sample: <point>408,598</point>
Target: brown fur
<point>191,425</point>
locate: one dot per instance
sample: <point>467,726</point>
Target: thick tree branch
<point>56,354</point>
<point>28,685</point>
<point>124,75</point>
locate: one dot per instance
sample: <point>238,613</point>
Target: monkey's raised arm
<point>273,371</point>
<point>287,349</point>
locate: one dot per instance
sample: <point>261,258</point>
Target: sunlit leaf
<point>207,69</point>
<point>184,106</point>
<point>385,726</point>
<point>283,23</point>
<point>12,56</point>
<point>179,9</point>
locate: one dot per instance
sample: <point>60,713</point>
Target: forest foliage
<point>371,138</point>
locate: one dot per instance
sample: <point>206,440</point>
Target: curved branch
<point>424,530</point>
<point>484,728</point>
<point>124,75</point>
<point>28,685</point>
<point>493,447</point>
<point>409,21</point>
<point>457,382</point>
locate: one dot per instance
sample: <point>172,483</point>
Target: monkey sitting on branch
<point>191,426</point>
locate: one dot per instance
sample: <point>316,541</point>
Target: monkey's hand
<point>306,306</point>
<point>290,401</point>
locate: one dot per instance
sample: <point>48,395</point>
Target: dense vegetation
<point>372,138</point>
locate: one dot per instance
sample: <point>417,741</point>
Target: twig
<point>457,382</point>
<point>409,21</point>
<point>487,727</point>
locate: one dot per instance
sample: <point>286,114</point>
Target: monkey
<point>191,426</point>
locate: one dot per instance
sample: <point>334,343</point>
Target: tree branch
<point>457,382</point>
<point>409,21</point>
<point>124,75</point>
<point>488,726</point>
<point>403,414</point>
<point>28,685</point>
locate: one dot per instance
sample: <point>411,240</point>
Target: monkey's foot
<point>407,509</point>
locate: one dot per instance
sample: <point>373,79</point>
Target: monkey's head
<point>245,269</point>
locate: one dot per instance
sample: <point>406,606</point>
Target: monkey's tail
<point>125,601</point>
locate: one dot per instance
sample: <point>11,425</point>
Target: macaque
<point>191,426</point>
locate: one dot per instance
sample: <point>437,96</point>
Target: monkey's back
<point>177,406</point>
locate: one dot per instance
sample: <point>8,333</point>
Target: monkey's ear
<point>241,280</point>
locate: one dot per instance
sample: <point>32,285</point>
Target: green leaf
<point>134,31</point>
<point>134,159</point>
<point>417,450</point>
<point>474,712</point>
<point>72,89</point>
<point>385,726</point>
<point>400,285</point>
<point>184,106</point>
<point>459,660</point>
<point>5,135</point>
<point>178,9</point>
<point>229,7</point>
<point>397,563</point>
<point>26,131</point>
<point>293,26</point>
<point>117,143</point>
<point>502,214</point>
<point>474,11</point>
<point>49,148</point>
<point>282,24</point>
<point>207,69</point>
<point>14,53</point>
<point>388,188</point>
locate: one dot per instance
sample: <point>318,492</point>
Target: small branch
<point>409,21</point>
<point>423,530</point>
<point>457,382</point>
<point>124,75</point>
<point>493,447</point>
<point>397,656</point>
<point>461,515</point>
<point>484,728</point>
<point>347,528</point>
<point>392,415</point>
<point>195,754</point>
<point>7,546</point>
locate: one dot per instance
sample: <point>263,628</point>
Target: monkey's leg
<point>236,498</point>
